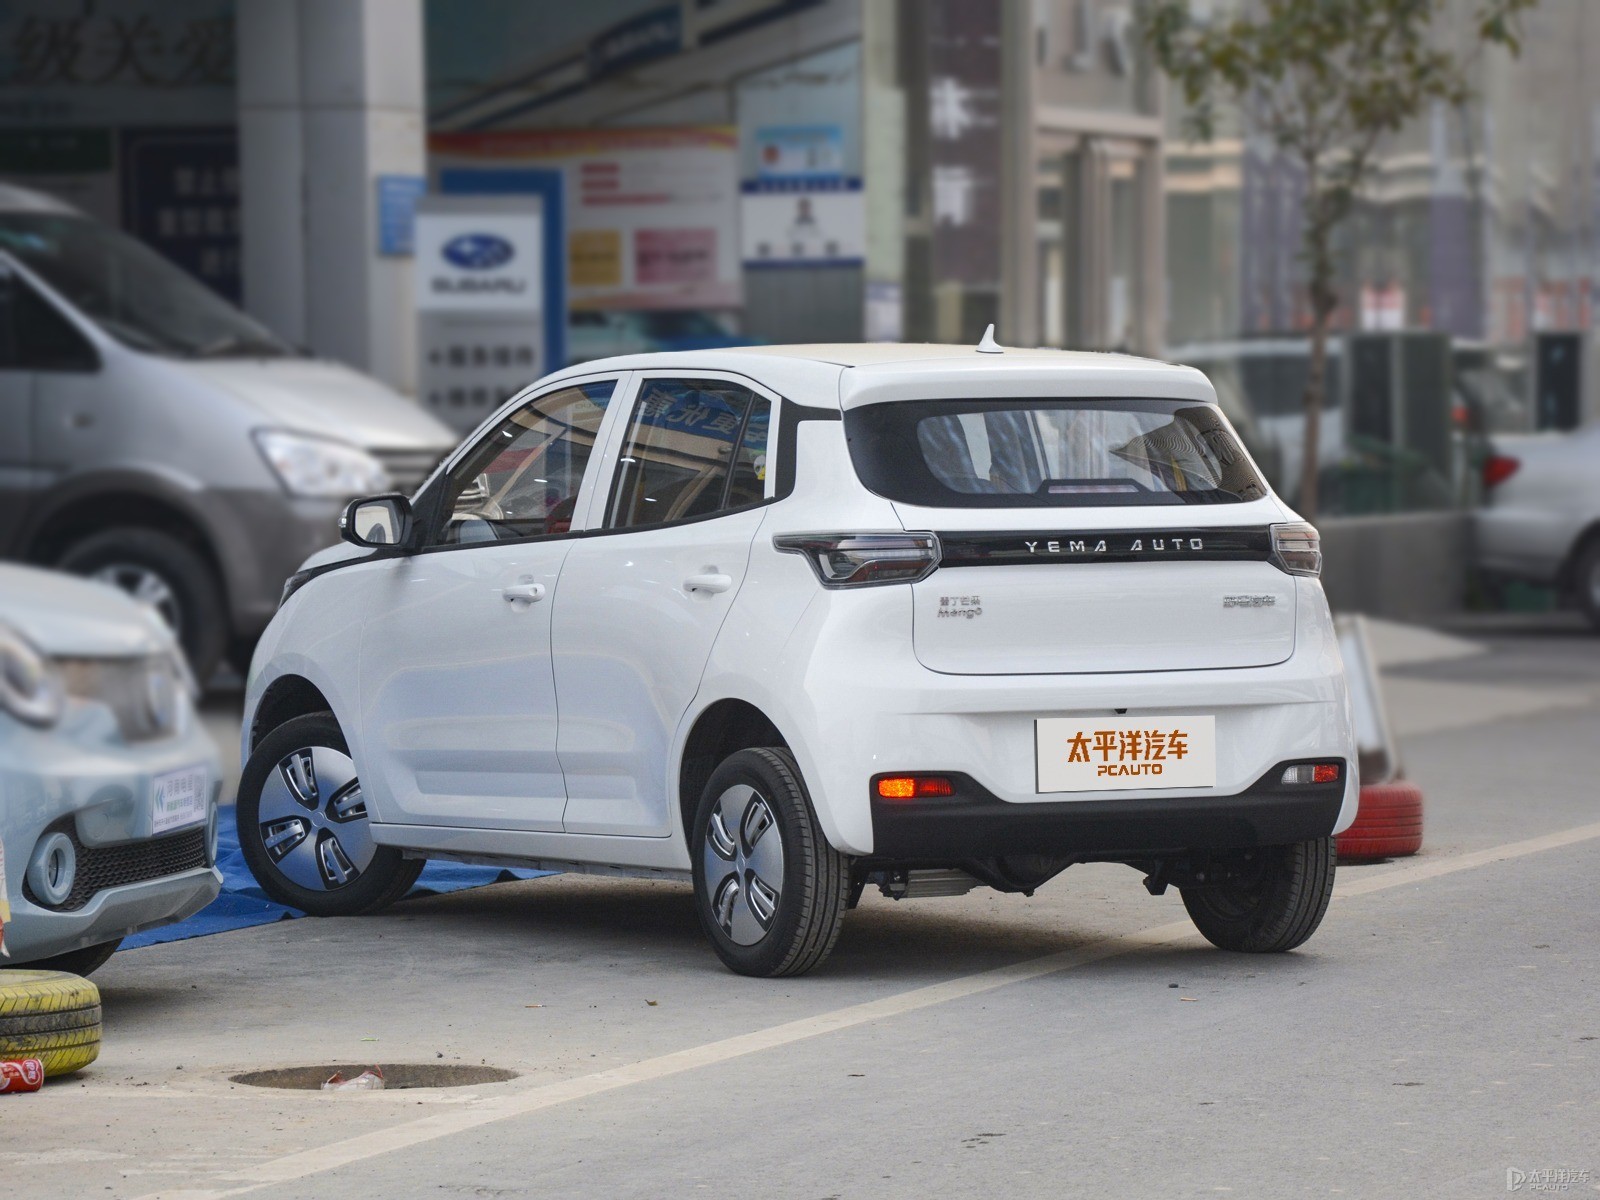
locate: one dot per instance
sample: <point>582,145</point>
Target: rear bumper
<point>975,823</point>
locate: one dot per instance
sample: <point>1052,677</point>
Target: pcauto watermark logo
<point>1547,1179</point>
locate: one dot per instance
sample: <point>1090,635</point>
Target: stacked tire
<point>51,1016</point>
<point>1388,824</point>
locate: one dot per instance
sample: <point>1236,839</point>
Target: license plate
<point>1123,753</point>
<point>180,798</point>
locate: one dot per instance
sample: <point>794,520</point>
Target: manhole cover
<point>396,1076</point>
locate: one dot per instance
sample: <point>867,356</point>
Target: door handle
<point>708,582</point>
<point>525,592</point>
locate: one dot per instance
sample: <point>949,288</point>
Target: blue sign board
<point>397,213</point>
<point>514,181</point>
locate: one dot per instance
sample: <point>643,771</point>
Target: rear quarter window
<point>1050,453</point>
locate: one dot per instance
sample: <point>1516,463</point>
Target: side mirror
<point>377,522</point>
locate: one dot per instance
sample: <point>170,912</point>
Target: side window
<point>694,447</point>
<point>522,480</point>
<point>35,337</point>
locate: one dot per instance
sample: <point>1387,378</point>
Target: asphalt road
<point>1440,1030</point>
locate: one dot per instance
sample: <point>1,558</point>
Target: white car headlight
<point>313,466</point>
<point>30,690</point>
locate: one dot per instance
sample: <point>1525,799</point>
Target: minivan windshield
<point>131,292</point>
<point>1049,453</point>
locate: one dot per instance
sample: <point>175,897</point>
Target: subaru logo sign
<point>478,251</point>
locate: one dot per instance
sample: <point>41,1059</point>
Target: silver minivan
<point>155,437</point>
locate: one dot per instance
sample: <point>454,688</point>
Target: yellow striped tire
<point>51,1016</point>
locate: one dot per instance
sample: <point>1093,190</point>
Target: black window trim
<point>791,414</point>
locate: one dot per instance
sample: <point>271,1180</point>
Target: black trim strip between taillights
<point>1108,546</point>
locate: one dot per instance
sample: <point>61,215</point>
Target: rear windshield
<point>1049,453</point>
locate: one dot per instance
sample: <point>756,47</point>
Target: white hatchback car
<point>795,620</point>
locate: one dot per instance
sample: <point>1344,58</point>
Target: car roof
<point>848,374</point>
<point>21,199</point>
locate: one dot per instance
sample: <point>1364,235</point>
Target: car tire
<point>171,576</point>
<point>85,962</point>
<point>303,825</point>
<point>1586,580</point>
<point>1275,906</point>
<point>768,909</point>
<point>50,1016</point>
<point>1388,823</point>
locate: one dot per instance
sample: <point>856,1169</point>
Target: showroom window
<point>522,480</point>
<point>694,448</point>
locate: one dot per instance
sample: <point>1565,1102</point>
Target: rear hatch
<point>1081,535</point>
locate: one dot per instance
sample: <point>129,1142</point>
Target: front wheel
<point>1274,901</point>
<point>770,891</point>
<point>303,825</point>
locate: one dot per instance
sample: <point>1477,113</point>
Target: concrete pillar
<point>330,98</point>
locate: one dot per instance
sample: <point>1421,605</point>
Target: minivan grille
<point>1118,546</point>
<point>408,468</point>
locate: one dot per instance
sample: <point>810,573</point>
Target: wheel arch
<point>722,728</point>
<point>1588,536</point>
<point>286,697</point>
<point>100,503</point>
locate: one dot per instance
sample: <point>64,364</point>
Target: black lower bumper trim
<point>975,823</point>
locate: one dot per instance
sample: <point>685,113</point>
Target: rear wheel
<point>770,891</point>
<point>1274,902</point>
<point>303,825</point>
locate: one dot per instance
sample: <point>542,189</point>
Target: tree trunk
<point>1315,388</point>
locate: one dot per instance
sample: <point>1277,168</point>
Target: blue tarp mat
<point>243,903</point>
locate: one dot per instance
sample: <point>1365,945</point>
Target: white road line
<point>516,1103</point>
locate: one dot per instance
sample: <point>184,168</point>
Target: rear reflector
<point>1303,773</point>
<point>914,787</point>
<point>1498,468</point>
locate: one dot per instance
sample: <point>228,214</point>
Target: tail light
<point>914,787</point>
<point>1303,773</point>
<point>846,560</point>
<point>1498,468</point>
<point>1297,549</point>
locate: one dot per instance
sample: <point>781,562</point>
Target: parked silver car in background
<point>1541,516</point>
<point>108,782</point>
<point>155,437</point>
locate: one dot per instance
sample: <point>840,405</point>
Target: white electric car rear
<point>793,621</point>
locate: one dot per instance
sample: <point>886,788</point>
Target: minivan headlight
<point>313,466</point>
<point>1297,549</point>
<point>30,689</point>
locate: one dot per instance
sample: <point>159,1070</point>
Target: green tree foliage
<point>1325,80</point>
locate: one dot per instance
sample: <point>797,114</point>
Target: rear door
<point>1082,536</point>
<point>643,597</point>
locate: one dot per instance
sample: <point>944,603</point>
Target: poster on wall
<point>652,214</point>
<point>802,209</point>
<point>180,195</point>
<point>813,223</point>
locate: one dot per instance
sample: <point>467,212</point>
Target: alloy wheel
<point>313,820</point>
<point>147,587</point>
<point>743,859</point>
